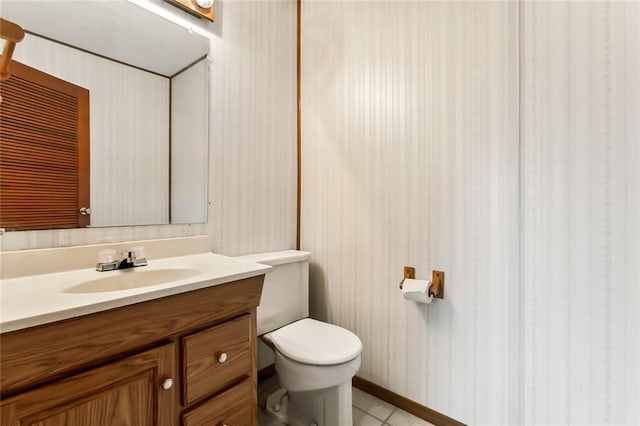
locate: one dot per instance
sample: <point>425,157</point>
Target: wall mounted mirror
<point>148,84</point>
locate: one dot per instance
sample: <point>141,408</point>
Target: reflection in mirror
<point>148,81</point>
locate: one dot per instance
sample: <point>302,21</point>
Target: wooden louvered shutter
<point>44,151</point>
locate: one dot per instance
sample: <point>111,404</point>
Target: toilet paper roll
<point>417,290</point>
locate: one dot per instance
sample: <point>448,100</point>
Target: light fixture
<point>204,4</point>
<point>199,8</point>
<point>11,33</point>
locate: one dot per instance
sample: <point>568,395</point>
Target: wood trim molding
<point>71,46</point>
<point>84,157</point>
<point>405,404</point>
<point>299,124</point>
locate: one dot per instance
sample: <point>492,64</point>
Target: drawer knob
<point>167,384</point>
<point>222,357</point>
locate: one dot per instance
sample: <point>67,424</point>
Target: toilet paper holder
<point>437,281</point>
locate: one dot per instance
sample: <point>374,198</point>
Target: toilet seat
<point>313,342</point>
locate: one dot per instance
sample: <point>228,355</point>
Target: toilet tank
<point>285,294</point>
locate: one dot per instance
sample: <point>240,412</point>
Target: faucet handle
<point>139,257</point>
<point>106,255</point>
<point>138,251</point>
<point>106,260</point>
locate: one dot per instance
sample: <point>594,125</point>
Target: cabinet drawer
<point>235,407</point>
<point>216,357</point>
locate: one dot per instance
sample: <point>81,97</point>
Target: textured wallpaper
<point>581,212</point>
<point>410,157</point>
<point>500,143</point>
<point>253,130</point>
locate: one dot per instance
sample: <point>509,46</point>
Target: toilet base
<point>322,407</point>
<point>277,406</point>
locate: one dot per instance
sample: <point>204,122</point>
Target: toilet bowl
<point>313,355</point>
<point>314,360</point>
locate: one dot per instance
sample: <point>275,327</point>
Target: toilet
<point>314,361</point>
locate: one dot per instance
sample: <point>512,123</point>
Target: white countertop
<point>39,299</point>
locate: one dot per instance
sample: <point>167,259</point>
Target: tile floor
<point>367,409</point>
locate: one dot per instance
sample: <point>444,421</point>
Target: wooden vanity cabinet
<point>187,359</point>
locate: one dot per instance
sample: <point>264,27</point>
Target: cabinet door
<point>129,392</point>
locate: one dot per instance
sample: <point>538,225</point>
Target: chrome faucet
<point>128,259</point>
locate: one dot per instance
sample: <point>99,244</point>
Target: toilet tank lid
<point>277,257</point>
<point>313,342</point>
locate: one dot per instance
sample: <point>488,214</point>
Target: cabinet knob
<point>222,357</point>
<point>167,384</point>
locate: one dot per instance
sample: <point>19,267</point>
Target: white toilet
<point>314,361</point>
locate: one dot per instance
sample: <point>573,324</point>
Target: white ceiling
<point>116,29</point>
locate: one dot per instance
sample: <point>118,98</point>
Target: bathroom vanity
<point>185,355</point>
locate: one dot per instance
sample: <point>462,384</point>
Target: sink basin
<point>132,278</point>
